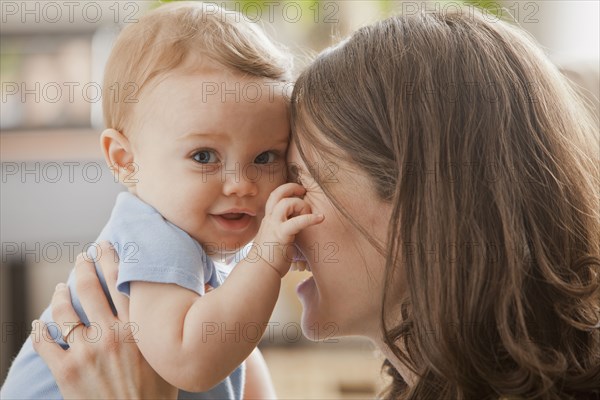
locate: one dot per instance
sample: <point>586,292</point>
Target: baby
<point>198,132</point>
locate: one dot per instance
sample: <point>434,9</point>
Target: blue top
<point>150,249</point>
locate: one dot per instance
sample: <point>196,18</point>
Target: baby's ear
<point>118,155</point>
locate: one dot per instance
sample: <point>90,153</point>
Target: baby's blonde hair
<point>164,38</point>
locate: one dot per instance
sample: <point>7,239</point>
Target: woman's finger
<point>92,297</point>
<point>63,313</point>
<point>109,264</point>
<point>285,190</point>
<point>50,351</point>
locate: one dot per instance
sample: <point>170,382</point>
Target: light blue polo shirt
<point>150,249</point>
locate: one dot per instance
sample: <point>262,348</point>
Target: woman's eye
<point>206,157</point>
<point>265,158</point>
<point>294,175</point>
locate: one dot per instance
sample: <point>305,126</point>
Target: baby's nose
<point>238,184</point>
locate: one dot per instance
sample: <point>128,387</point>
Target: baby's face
<point>209,148</point>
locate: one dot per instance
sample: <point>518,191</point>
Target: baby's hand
<point>285,216</point>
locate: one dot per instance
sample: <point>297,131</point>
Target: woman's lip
<point>233,224</point>
<point>299,255</point>
<point>305,285</point>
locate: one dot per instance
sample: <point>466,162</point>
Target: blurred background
<point>56,192</point>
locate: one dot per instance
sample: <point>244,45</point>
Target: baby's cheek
<point>278,180</point>
<point>271,184</point>
<point>267,185</point>
<point>278,175</point>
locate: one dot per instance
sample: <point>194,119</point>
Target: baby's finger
<point>63,313</point>
<point>285,190</point>
<point>294,225</point>
<point>110,269</point>
<point>92,297</point>
<point>290,207</point>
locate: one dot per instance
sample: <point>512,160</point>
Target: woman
<point>458,175</point>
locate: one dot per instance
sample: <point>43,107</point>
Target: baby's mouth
<point>233,216</point>
<point>233,221</point>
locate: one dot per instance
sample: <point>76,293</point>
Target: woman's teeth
<point>299,265</point>
<point>299,262</point>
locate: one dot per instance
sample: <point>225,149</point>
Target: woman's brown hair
<point>491,163</point>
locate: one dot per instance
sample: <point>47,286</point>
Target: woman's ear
<point>118,155</point>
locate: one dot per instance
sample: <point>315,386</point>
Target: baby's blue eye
<point>265,158</point>
<point>206,157</point>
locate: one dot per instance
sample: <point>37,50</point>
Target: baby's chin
<point>226,252</point>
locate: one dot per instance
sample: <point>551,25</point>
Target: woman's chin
<point>314,327</point>
<point>309,326</point>
<point>318,329</point>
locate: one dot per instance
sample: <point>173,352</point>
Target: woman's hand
<point>103,360</point>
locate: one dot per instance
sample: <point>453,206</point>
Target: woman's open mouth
<point>299,262</point>
<point>300,266</point>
